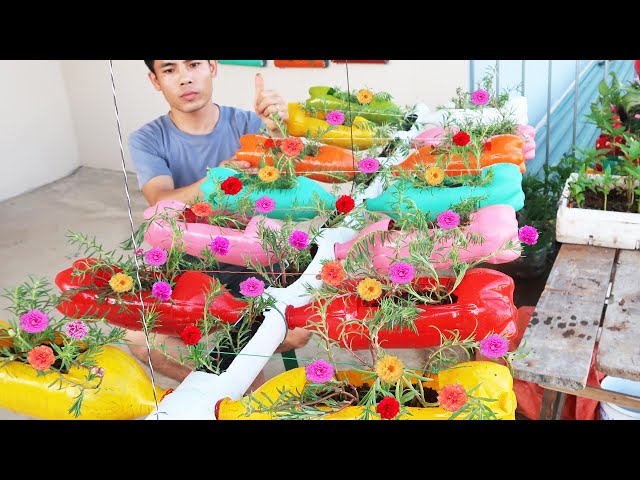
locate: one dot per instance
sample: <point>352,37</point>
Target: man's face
<point>186,84</point>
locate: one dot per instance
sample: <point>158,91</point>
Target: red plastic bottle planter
<point>185,307</point>
<point>484,305</point>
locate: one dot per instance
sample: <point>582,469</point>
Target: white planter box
<point>596,227</point>
<point>516,108</point>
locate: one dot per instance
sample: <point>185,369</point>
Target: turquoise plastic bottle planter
<point>297,202</point>
<point>506,188</point>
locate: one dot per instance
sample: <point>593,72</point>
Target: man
<point>172,153</point>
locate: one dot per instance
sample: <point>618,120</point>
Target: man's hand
<point>241,164</point>
<point>296,338</point>
<point>269,102</point>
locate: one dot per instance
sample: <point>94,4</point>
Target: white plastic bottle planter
<point>596,227</point>
<point>195,398</point>
<point>516,109</point>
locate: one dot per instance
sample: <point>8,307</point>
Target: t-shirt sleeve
<point>255,123</point>
<point>145,155</point>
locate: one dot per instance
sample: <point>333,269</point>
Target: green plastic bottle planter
<point>506,188</point>
<point>298,202</point>
<point>378,111</point>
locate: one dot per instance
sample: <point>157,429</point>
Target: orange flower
<point>369,289</point>
<point>452,397</point>
<point>434,175</point>
<point>202,209</point>
<point>268,174</point>
<point>166,392</point>
<point>121,282</point>
<point>332,273</point>
<point>41,358</point>
<point>389,369</point>
<point>365,96</point>
<point>292,146</point>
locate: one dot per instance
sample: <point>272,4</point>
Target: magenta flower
<point>156,257</point>
<point>161,290</point>
<point>139,251</point>
<point>528,235</point>
<point>480,97</point>
<point>76,329</point>
<point>252,287</point>
<point>335,118</point>
<point>402,272</point>
<point>319,371</point>
<point>265,205</point>
<point>448,219</point>
<point>34,321</point>
<point>220,245</point>
<point>298,239</point>
<point>494,346</point>
<point>368,165</point>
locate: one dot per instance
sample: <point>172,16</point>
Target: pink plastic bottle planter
<point>496,223</point>
<point>197,236</point>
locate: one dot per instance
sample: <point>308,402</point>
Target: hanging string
<point>133,238</point>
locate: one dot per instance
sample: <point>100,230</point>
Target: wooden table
<point>592,297</point>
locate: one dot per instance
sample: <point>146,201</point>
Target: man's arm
<point>162,188</point>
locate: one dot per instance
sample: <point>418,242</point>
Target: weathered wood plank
<point>562,332</point>
<point>619,347</point>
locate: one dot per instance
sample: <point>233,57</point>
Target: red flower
<point>452,397</point>
<point>269,143</point>
<point>41,357</point>
<point>191,335</point>
<point>461,139</point>
<point>388,408</point>
<point>231,185</point>
<point>187,216</point>
<point>292,146</point>
<point>345,204</point>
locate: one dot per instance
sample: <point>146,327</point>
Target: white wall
<point>409,81</point>
<point>36,130</point>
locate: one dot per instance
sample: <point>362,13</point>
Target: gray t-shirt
<point>160,148</point>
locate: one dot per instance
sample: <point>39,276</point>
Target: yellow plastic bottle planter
<point>495,382</point>
<point>301,125</point>
<point>125,393</point>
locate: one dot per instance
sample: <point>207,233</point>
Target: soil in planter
<point>430,396</point>
<point>616,201</point>
<point>237,222</point>
<point>291,279</point>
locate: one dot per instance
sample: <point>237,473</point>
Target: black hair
<point>149,64</point>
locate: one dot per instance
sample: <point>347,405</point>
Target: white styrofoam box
<point>596,227</point>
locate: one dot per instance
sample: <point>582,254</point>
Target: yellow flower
<point>365,96</point>
<point>121,282</point>
<point>369,289</point>
<point>268,174</point>
<point>389,369</point>
<point>434,175</point>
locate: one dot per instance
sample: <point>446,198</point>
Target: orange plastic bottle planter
<point>185,307</point>
<point>329,158</point>
<point>484,305</point>
<point>501,149</point>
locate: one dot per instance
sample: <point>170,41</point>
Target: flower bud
<point>97,371</point>
<point>11,332</point>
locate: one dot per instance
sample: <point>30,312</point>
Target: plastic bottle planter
<point>501,149</point>
<point>329,158</point>
<point>433,137</point>
<point>359,136</point>
<point>484,305</point>
<point>494,379</point>
<point>125,393</point>
<point>516,109</point>
<point>198,236</point>
<point>185,307</point>
<point>377,111</point>
<point>596,227</point>
<point>496,223</point>
<point>195,398</point>
<point>297,202</point>
<point>506,188</point>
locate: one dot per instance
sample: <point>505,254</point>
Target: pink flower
<point>298,240</point>
<point>161,290</point>
<point>528,235</point>
<point>637,115</point>
<point>480,97</point>
<point>34,321</point>
<point>139,251</point>
<point>220,245</point>
<point>97,371</point>
<point>494,346</point>
<point>319,371</point>
<point>156,257</point>
<point>265,205</point>
<point>448,219</point>
<point>76,329</point>
<point>368,165</point>
<point>252,287</point>
<point>402,272</point>
<point>335,118</point>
